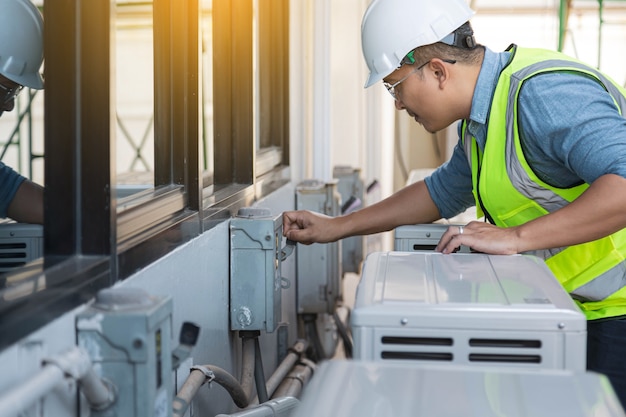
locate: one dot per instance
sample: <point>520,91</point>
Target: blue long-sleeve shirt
<point>569,126</point>
<point>9,183</point>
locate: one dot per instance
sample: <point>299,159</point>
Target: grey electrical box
<point>421,237</point>
<point>350,188</point>
<point>469,309</point>
<point>318,266</point>
<point>255,270</point>
<point>372,389</point>
<point>127,334</point>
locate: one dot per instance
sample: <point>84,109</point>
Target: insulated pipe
<point>21,397</point>
<point>278,407</point>
<point>99,392</point>
<point>247,365</point>
<point>186,393</point>
<point>285,366</point>
<point>298,348</point>
<point>74,363</point>
<point>200,374</point>
<point>293,384</point>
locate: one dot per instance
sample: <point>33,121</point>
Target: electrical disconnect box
<point>20,243</point>
<point>127,334</point>
<point>318,266</point>
<point>469,309</point>
<point>255,270</point>
<point>363,388</point>
<point>421,237</point>
<point>350,188</point>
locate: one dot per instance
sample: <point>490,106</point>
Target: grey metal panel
<point>318,265</point>
<point>350,188</point>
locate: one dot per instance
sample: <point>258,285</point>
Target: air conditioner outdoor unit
<point>463,308</point>
<point>20,243</point>
<point>421,237</point>
<point>363,388</point>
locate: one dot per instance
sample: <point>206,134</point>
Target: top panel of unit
<point>463,284</point>
<point>362,388</point>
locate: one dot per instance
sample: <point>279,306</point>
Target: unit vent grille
<point>473,350</point>
<point>20,243</point>
<point>13,255</point>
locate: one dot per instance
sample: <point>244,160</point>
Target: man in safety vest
<point>541,154</point>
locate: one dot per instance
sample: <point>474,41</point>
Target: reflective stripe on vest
<point>597,283</point>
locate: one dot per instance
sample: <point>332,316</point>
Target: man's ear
<point>440,70</point>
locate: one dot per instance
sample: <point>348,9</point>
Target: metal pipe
<point>299,347</point>
<point>294,383</point>
<point>76,364</point>
<point>186,393</point>
<point>277,407</point>
<point>247,365</point>
<point>201,374</point>
<point>286,365</point>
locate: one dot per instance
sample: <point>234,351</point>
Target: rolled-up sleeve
<point>450,185</point>
<point>9,183</point>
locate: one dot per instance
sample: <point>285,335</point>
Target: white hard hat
<point>21,42</point>
<point>392,28</point>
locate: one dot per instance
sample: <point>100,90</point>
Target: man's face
<point>8,91</point>
<point>421,91</point>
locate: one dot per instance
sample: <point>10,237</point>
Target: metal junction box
<point>469,309</point>
<point>350,188</point>
<point>421,237</point>
<point>318,266</point>
<point>362,389</point>
<point>255,270</point>
<point>127,334</point>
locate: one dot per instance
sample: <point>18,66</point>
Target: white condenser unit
<point>374,389</point>
<point>20,243</point>
<point>421,237</point>
<point>468,309</point>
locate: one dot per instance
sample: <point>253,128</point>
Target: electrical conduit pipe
<point>277,407</point>
<point>74,363</point>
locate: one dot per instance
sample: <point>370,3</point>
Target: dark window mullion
<point>233,92</point>
<point>163,92</point>
<point>79,212</point>
<point>185,61</point>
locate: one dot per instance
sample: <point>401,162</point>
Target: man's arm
<point>410,205</point>
<point>597,213</point>
<point>27,204</point>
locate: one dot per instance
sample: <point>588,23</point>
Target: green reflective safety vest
<point>509,193</point>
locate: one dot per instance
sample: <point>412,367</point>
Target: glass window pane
<point>134,96</point>
<point>206,85</point>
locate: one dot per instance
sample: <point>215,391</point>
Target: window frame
<point>92,239</point>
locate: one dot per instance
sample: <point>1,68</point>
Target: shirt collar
<point>493,63</point>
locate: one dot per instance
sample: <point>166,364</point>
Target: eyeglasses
<point>392,87</point>
<point>9,93</point>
